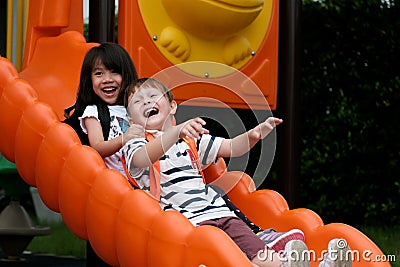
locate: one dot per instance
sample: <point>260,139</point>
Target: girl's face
<point>106,83</point>
<point>150,108</point>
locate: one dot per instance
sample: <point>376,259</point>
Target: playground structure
<point>97,203</point>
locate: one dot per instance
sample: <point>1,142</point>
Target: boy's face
<point>150,108</point>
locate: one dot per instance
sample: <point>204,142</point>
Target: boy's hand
<point>264,128</point>
<point>134,131</point>
<point>192,128</point>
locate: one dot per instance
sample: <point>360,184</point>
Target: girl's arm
<point>241,144</point>
<point>108,147</point>
<point>154,150</point>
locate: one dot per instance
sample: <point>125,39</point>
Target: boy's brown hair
<point>148,82</point>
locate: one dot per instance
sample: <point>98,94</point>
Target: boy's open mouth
<point>151,112</point>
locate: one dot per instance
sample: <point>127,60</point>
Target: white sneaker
<point>296,254</point>
<point>277,240</point>
<point>338,254</point>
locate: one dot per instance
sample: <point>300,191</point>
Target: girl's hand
<point>264,128</point>
<point>134,131</point>
<point>192,128</point>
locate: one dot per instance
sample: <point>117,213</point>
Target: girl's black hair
<point>114,57</point>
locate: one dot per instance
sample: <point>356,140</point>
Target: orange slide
<point>125,227</point>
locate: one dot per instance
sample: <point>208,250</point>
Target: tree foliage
<point>350,96</point>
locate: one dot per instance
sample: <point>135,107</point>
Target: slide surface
<point>126,227</point>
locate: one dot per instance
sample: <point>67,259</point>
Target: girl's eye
<point>98,73</point>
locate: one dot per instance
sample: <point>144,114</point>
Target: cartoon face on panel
<point>224,31</point>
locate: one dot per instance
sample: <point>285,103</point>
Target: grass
<point>60,242</point>
<point>63,242</point>
<point>387,239</point>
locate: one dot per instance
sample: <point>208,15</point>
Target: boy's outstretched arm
<point>155,149</point>
<point>241,144</point>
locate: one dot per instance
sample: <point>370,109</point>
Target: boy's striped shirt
<point>182,186</point>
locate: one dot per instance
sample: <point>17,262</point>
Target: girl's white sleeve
<point>90,111</point>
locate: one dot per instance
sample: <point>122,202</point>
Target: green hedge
<point>350,96</point>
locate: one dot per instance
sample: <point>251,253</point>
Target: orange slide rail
<point>126,227</point>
